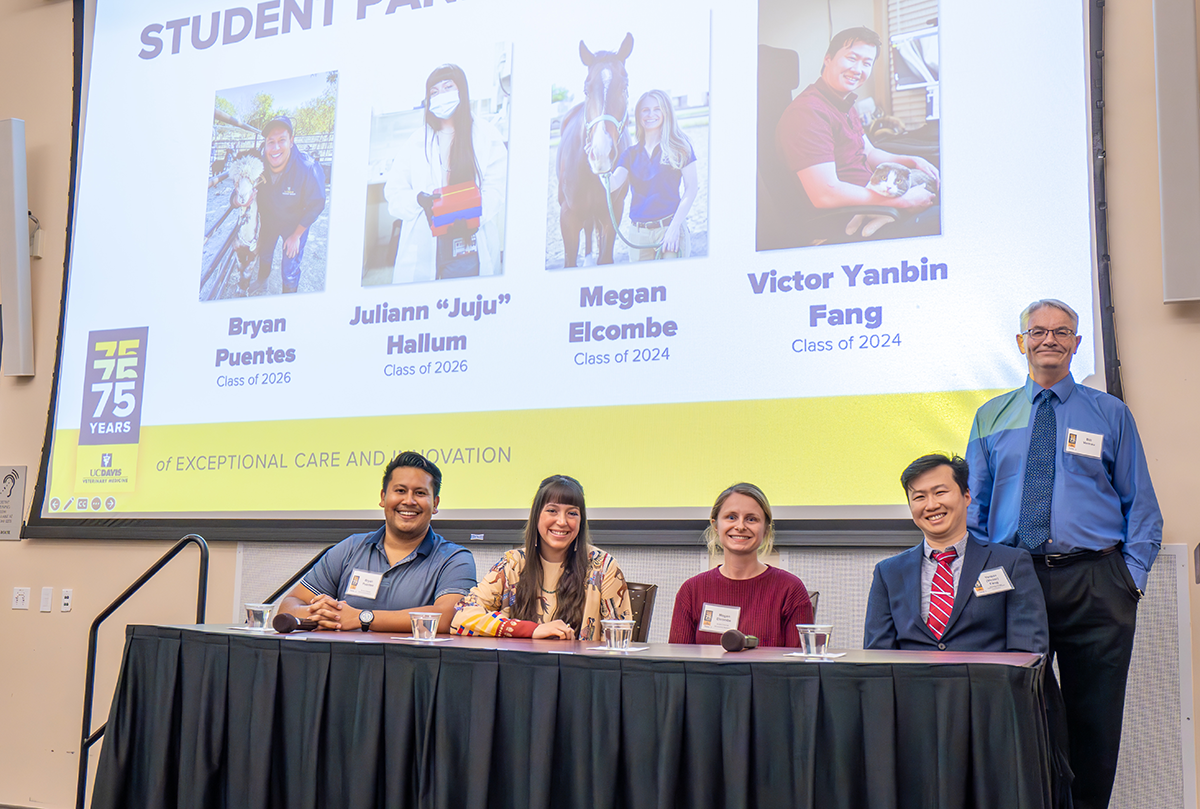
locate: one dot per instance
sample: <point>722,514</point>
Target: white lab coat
<point>413,171</point>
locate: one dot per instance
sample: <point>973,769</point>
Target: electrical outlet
<point>20,598</point>
<point>66,599</point>
<point>47,599</point>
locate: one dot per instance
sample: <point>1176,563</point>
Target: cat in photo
<point>884,127</point>
<point>889,180</point>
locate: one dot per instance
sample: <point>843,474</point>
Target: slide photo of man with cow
<point>266,227</point>
<point>437,166</point>
<point>629,140</point>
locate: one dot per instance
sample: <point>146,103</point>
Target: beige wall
<point>42,655</point>
<point>41,673</point>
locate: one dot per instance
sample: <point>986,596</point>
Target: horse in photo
<point>592,137</point>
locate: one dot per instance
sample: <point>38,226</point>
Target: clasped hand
<point>556,630</point>
<point>329,613</point>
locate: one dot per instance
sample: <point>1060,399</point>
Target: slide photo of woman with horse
<point>438,168</point>
<point>266,227</point>
<point>849,106</point>
<point>629,141</point>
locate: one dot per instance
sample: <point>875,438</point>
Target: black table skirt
<point>204,719</point>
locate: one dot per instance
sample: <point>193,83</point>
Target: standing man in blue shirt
<point>1058,468</point>
<point>289,201</point>
<point>372,581</point>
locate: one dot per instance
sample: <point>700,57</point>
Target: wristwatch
<point>365,618</point>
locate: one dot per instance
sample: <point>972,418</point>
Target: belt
<point>1064,559</point>
<point>655,223</point>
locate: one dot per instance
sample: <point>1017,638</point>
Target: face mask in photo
<point>443,105</point>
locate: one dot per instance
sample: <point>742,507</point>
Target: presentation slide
<point>660,247</point>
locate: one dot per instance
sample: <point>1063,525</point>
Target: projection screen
<point>286,265</point>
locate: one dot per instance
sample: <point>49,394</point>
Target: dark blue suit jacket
<point>1013,621</point>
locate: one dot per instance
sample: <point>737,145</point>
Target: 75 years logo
<point>112,386</point>
<point>111,417</point>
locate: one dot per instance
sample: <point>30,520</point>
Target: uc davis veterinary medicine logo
<point>106,460</point>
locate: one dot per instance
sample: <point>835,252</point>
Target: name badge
<point>719,618</point>
<point>364,584</point>
<point>993,581</point>
<point>1081,443</point>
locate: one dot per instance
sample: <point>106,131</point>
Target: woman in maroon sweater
<point>743,592</point>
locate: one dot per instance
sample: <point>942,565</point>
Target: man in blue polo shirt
<point>289,201</point>
<point>372,581</point>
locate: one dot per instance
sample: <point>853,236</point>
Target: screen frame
<point>818,531</point>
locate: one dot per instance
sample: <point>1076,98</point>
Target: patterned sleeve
<point>485,610</point>
<point>614,593</point>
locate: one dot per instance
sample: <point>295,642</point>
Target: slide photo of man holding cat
<point>854,154</point>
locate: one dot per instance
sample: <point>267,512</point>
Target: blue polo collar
<point>424,549</point>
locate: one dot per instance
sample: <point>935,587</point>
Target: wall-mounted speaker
<point>16,307</point>
<point>1176,89</point>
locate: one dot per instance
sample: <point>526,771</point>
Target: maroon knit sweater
<point>772,603</point>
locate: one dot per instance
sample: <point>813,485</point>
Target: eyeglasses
<point>1040,334</point>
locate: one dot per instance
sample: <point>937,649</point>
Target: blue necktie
<point>1034,527</point>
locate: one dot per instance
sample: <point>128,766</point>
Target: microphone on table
<point>734,641</point>
<point>285,622</point>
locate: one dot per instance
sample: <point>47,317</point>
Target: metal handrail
<point>87,738</point>
<point>299,574</point>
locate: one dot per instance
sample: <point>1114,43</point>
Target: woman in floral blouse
<point>566,590</point>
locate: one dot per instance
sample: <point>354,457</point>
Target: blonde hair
<point>675,146</point>
<point>754,493</point>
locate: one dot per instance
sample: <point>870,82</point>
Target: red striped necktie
<point>941,595</point>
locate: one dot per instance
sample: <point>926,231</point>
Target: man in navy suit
<point>994,601</point>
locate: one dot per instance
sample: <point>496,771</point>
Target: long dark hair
<point>568,492</point>
<point>463,165</point>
